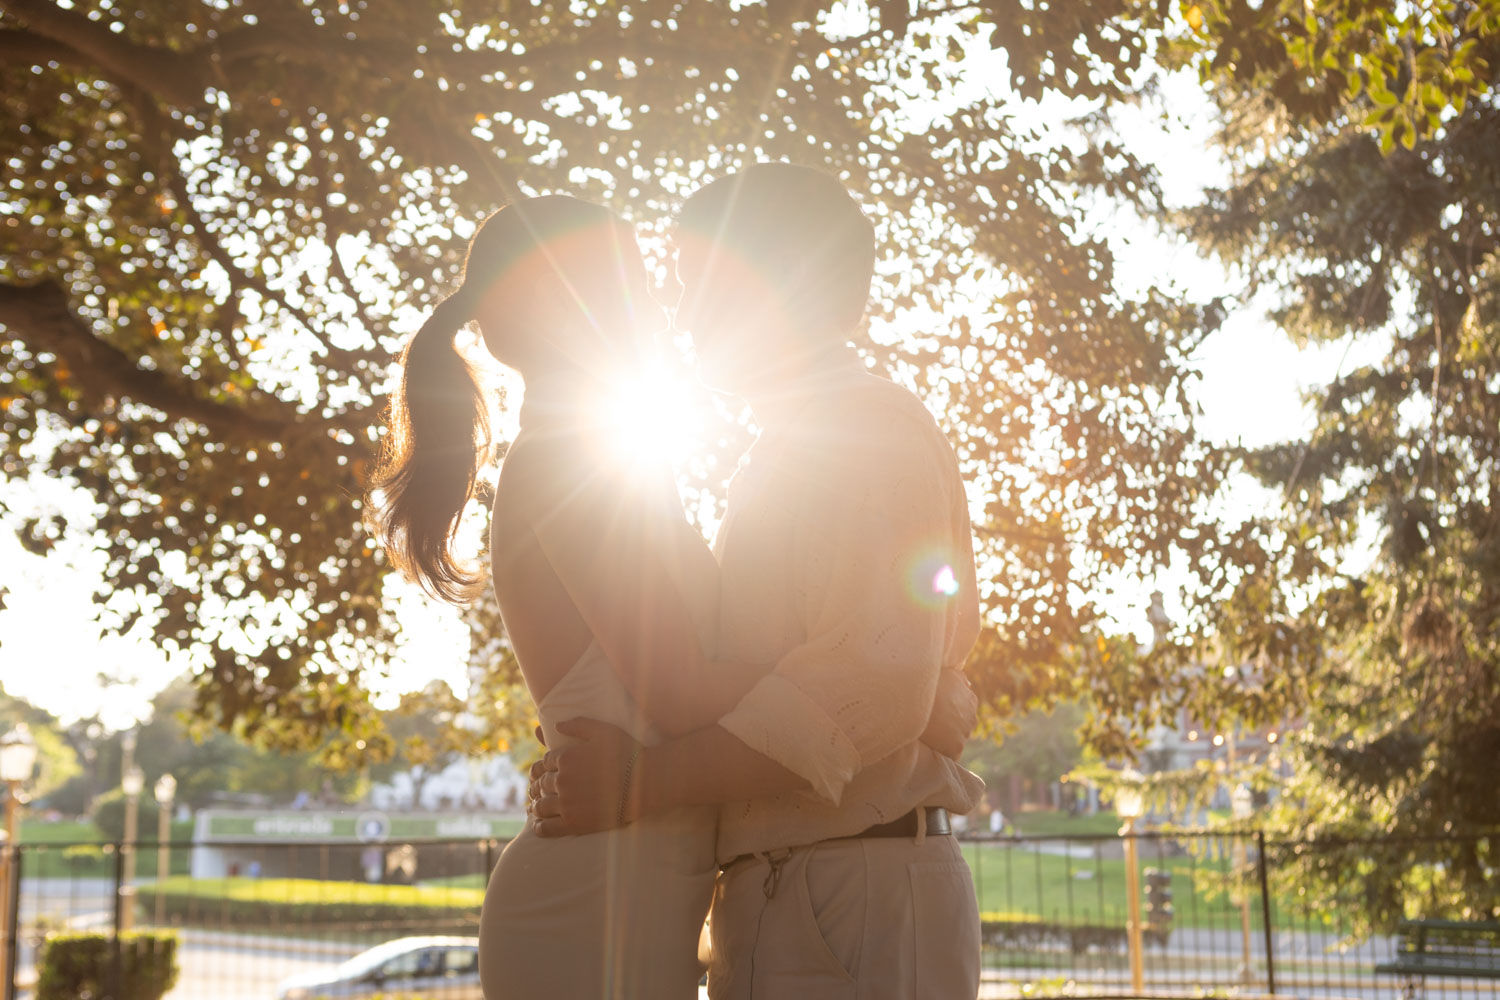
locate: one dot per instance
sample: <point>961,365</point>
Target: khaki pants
<point>865,919</point>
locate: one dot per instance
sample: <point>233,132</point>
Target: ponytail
<point>438,421</point>
<point>438,435</point>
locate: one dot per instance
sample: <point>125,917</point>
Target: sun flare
<point>651,417</point>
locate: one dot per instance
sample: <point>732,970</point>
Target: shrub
<point>81,966</point>
<point>109,816</point>
<point>109,819</point>
<point>1010,934</point>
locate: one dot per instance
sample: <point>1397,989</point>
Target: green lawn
<point>1055,823</point>
<point>472,880</point>
<point>75,849</point>
<point>1014,879</point>
<point>1017,882</point>
<point>1020,882</point>
<point>35,831</point>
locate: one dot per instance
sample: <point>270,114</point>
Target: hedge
<point>81,966</point>
<point>1035,935</point>
<point>257,903</point>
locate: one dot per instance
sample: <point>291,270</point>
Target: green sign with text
<point>368,827</point>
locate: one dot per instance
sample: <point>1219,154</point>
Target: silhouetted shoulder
<point>538,472</point>
<point>572,471</point>
<point>869,418</point>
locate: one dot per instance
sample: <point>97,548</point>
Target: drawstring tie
<point>776,859</point>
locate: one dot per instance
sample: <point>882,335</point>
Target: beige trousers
<point>865,919</point>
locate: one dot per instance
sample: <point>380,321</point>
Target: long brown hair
<point>438,420</point>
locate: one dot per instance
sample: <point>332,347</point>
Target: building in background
<point>490,784</point>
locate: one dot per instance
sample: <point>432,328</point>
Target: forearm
<point>827,716</point>
<point>701,695</point>
<point>707,767</point>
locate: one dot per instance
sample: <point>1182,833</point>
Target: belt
<point>906,826</point>
<point>903,826</point>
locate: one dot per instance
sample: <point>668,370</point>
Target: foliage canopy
<point>219,218</point>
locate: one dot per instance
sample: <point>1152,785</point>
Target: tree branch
<point>173,76</point>
<point>23,46</point>
<point>39,315</point>
<point>179,78</point>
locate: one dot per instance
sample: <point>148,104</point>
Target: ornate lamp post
<point>166,791</point>
<point>131,783</point>
<point>17,758</point>
<point>1129,805</point>
<point>1240,806</point>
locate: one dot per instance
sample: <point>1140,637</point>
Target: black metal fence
<point>1220,914</point>
<point>1214,917</point>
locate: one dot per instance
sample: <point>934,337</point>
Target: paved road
<point>221,967</point>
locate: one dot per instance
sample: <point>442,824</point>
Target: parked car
<point>443,968</point>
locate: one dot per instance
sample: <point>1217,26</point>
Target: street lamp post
<point>1129,805</point>
<point>131,783</point>
<point>166,791</point>
<point>1240,805</point>
<point>17,759</point>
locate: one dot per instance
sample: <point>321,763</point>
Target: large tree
<point>219,218</point>
<point>1364,201</point>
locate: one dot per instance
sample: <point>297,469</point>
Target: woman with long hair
<point>608,595</point>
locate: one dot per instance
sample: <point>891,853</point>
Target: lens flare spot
<point>931,580</point>
<point>650,417</point>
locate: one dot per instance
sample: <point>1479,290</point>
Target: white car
<point>443,968</point>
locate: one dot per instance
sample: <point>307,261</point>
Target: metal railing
<point>1216,919</point>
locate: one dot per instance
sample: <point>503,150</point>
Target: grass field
<point>508,827</point>
<point>75,849</point>
<point>35,831</point>
<point>469,881</point>
<point>1021,881</point>
<point>1055,823</point>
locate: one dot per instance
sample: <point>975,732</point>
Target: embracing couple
<point>767,730</point>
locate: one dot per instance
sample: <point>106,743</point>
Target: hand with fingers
<point>586,786</point>
<point>533,787</point>
<point>955,713</point>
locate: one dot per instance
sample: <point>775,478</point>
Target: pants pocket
<point>775,948</point>
<point>946,929</point>
<point>831,903</point>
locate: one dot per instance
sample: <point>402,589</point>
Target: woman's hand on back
<point>584,787</point>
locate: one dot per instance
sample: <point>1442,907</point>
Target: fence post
<point>1265,911</point>
<point>116,957</point>
<point>979,877</point>
<point>12,940</point>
